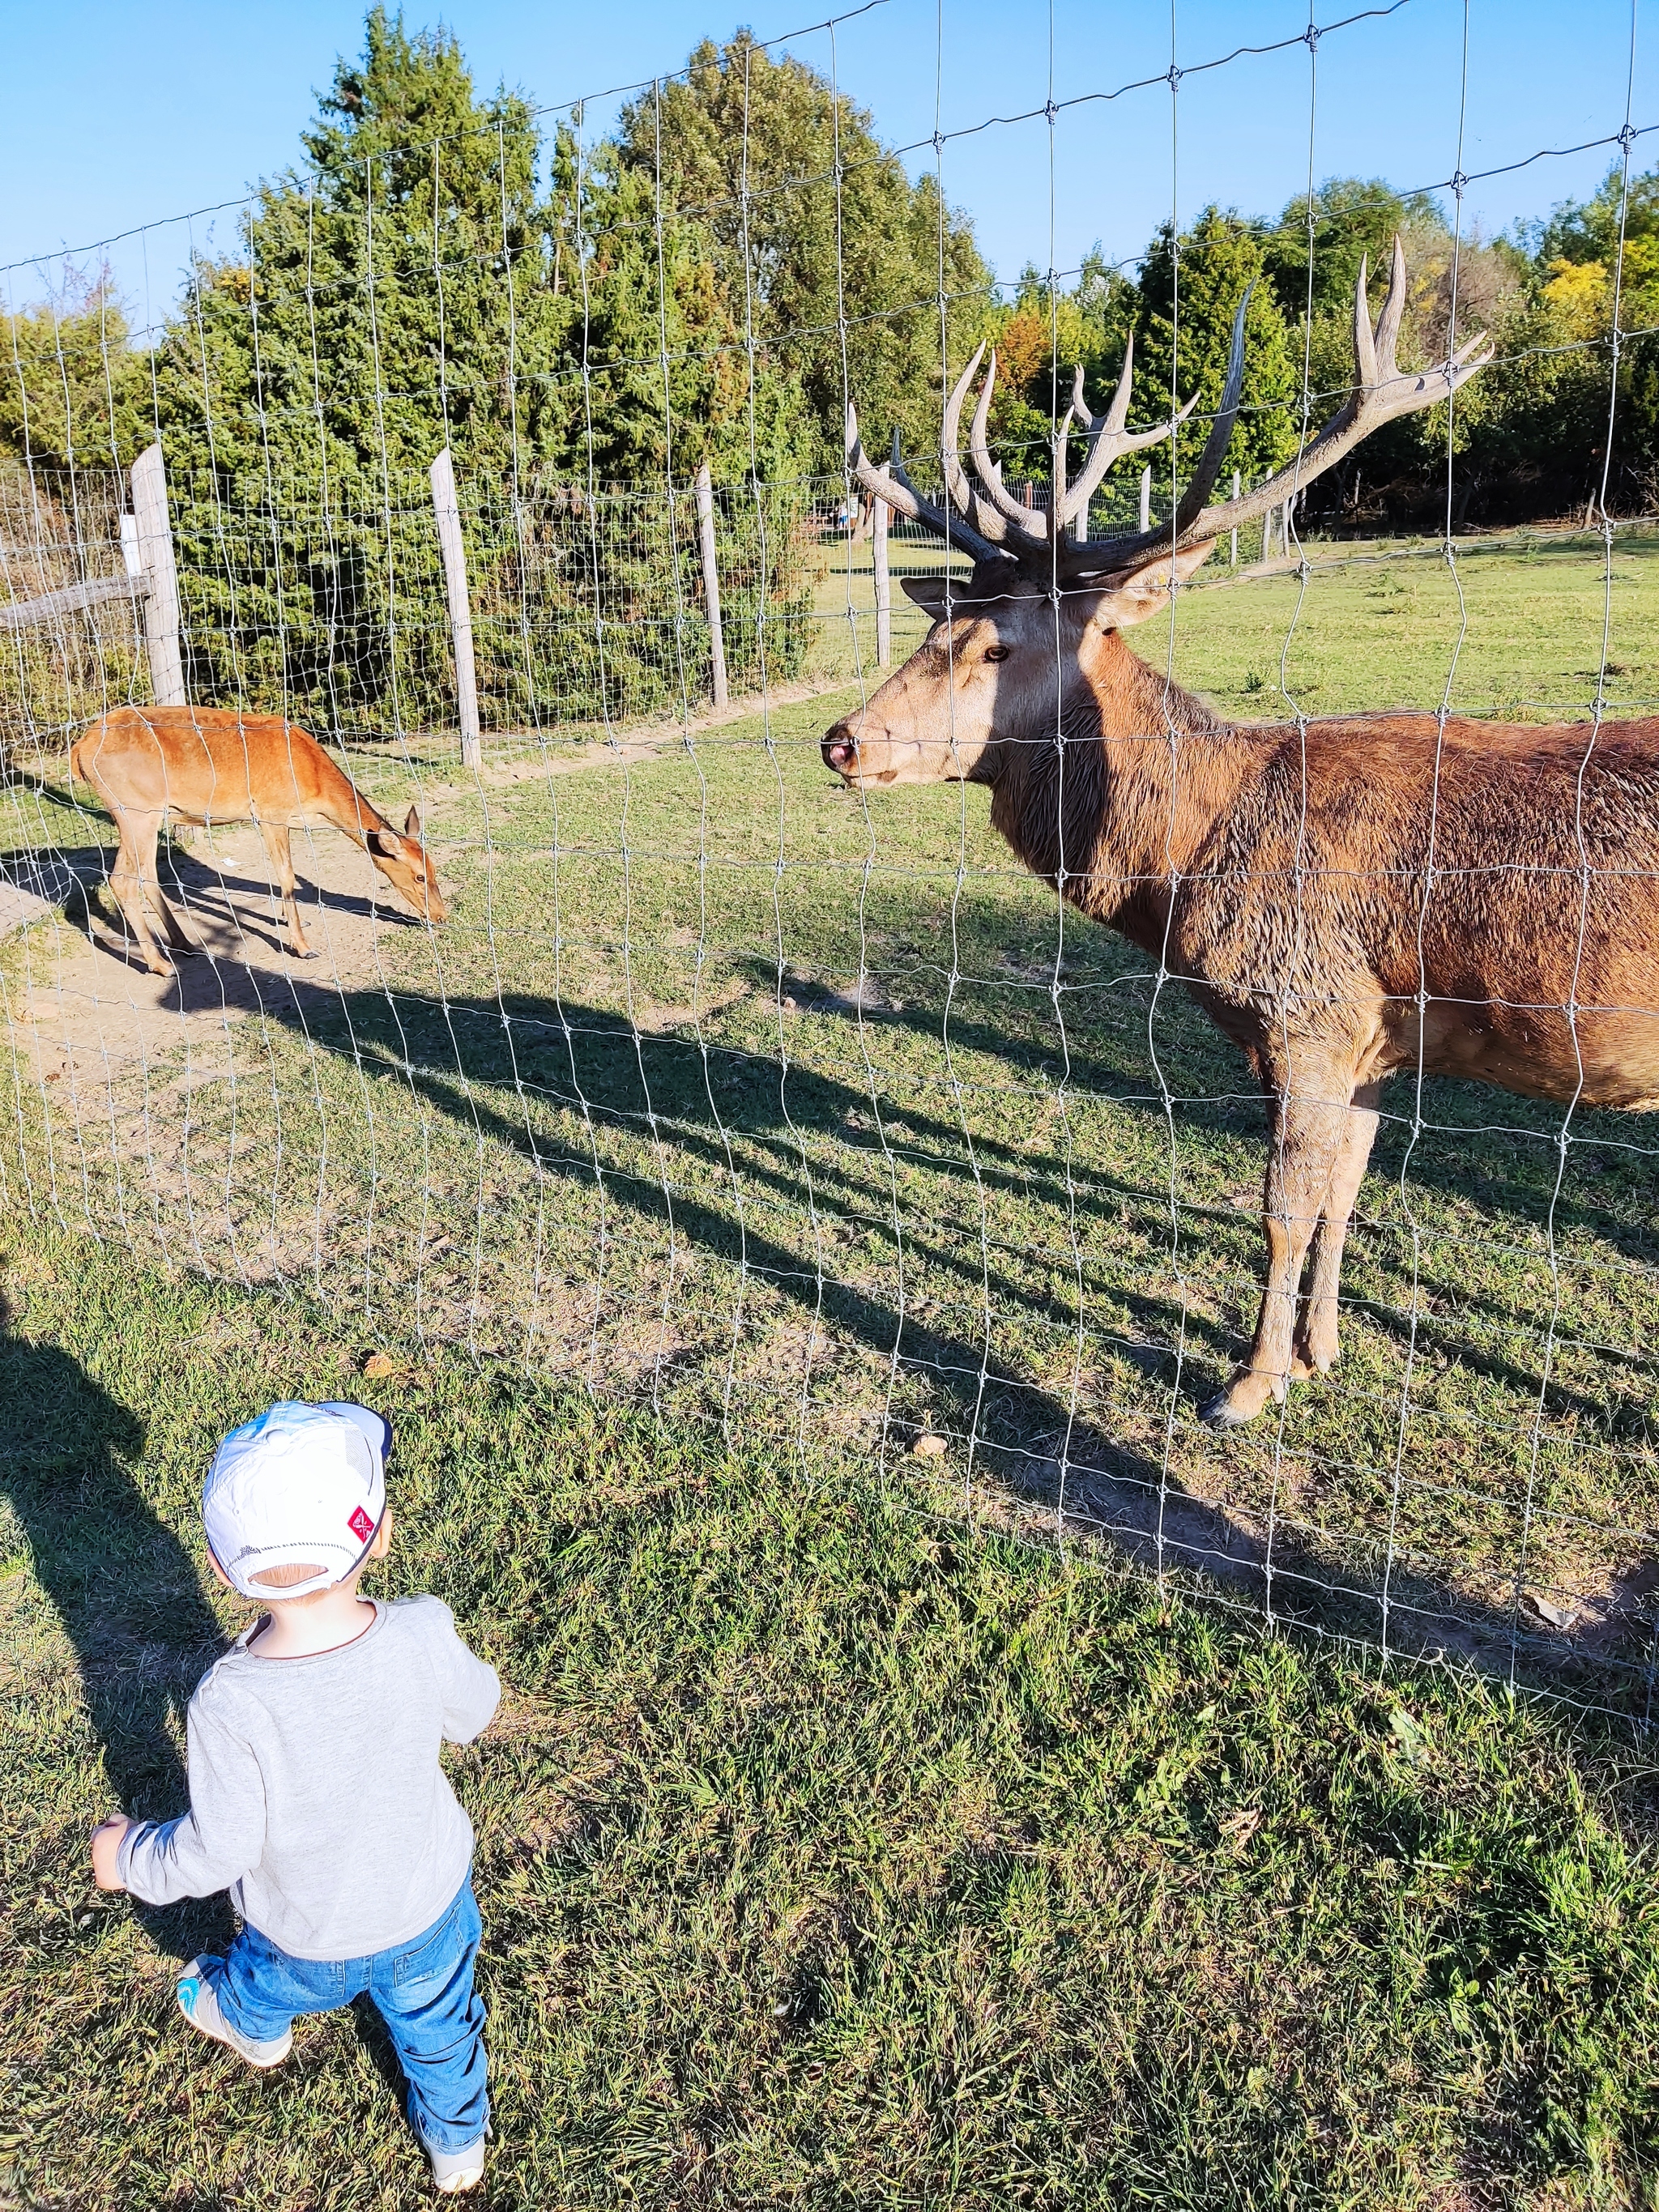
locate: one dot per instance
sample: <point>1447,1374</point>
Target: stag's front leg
<point>1316,1346</point>
<point>1305,1141</point>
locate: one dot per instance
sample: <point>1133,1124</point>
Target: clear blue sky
<point>118,116</point>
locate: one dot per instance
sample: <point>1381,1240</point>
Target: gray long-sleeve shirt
<point>316,1797</point>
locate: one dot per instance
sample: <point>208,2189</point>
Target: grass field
<point>831,1853</point>
<point>847,1843</point>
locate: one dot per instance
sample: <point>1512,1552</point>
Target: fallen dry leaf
<point>929,1447</point>
<point>378,1363</point>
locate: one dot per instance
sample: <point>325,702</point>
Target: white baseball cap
<point>302,1484</point>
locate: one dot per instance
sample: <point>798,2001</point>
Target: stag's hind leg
<point>1317,1347</point>
<point>1307,1133</point>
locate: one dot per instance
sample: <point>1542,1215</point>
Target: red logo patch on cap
<point>360,1526</point>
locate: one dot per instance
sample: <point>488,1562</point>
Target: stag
<point>1345,898</point>
<point>209,765</point>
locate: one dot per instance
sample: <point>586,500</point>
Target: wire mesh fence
<point>784,1099</point>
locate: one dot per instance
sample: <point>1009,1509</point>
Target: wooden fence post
<point>1235,551</point>
<point>447,507</point>
<point>1146,496</point>
<point>711,580</point>
<point>154,545</point>
<point>883,591</point>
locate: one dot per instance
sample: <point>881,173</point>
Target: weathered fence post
<point>711,580</point>
<point>1284,528</point>
<point>1146,496</point>
<point>1235,551</point>
<point>883,590</point>
<point>154,548</point>
<point>447,507</point>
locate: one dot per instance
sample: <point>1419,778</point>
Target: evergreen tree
<point>72,390</point>
<point>1190,290</point>
<point>415,285</point>
<point>866,289</point>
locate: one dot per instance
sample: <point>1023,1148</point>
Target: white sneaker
<point>200,2006</point>
<point>454,2171</point>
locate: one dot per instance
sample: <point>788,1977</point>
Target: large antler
<point>1382,394</point>
<point>990,524</point>
<point>988,521</point>
<point>893,485</point>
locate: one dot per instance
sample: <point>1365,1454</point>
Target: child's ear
<point>382,1543</point>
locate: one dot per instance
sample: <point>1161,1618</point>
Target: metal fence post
<point>447,507</point>
<point>154,537</point>
<point>1235,551</point>
<point>711,580</point>
<point>883,590</point>
<point>1146,496</point>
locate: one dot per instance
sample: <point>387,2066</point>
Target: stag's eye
<point>996,652</point>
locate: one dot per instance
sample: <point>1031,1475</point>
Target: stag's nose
<point>840,748</point>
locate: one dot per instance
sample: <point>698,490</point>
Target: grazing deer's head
<point>401,859</point>
<point>1038,618</point>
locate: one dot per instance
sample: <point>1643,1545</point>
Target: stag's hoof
<point>1315,1354</point>
<point>1223,1411</point>
<point>1242,1399</point>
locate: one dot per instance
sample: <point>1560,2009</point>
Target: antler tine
<point>1198,491</point>
<point>1364,347</point>
<point>1031,523</point>
<point>1394,311</point>
<point>1107,439</point>
<point>1382,394</point>
<point>990,516</point>
<point>901,494</point>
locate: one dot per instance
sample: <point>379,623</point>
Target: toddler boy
<point>316,1797</point>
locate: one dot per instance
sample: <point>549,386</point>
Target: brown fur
<point>210,765</point>
<point>1307,887</point>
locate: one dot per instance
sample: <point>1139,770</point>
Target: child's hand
<point>106,1843</point>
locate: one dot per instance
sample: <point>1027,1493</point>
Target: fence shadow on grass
<point>122,1584</point>
<point>495,1067</point>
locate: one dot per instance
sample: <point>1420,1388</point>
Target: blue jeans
<point>422,1989</point>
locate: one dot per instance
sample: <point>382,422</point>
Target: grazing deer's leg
<point>172,928</point>
<point>1306,1130</point>
<point>1317,1347</point>
<point>126,881</point>
<point>280,854</point>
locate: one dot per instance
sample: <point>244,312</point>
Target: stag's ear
<point>927,592</point>
<point>412,824</point>
<point>1133,594</point>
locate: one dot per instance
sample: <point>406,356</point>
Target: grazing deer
<point>207,765</point>
<point>1345,898</point>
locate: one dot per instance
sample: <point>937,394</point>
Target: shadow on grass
<point>501,1068</point>
<point>123,1585</point>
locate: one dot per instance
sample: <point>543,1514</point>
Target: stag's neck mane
<point>1129,797</point>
